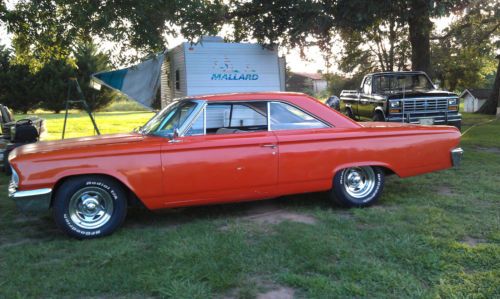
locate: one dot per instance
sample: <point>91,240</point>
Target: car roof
<point>247,96</point>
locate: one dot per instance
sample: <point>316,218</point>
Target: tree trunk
<point>492,105</point>
<point>420,27</point>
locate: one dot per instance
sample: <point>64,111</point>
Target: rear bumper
<point>456,156</point>
<point>37,200</point>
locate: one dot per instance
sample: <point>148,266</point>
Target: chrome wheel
<point>359,181</point>
<point>91,207</point>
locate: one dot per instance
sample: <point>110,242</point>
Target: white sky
<point>312,64</point>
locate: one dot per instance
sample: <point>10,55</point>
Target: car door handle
<point>269,145</point>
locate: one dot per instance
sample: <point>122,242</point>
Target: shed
<point>306,82</point>
<point>474,98</point>
<point>214,66</point>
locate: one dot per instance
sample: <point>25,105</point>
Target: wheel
<point>89,206</point>
<point>358,186</point>
<point>458,125</point>
<point>378,117</point>
<point>348,113</point>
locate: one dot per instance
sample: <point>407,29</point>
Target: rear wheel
<point>348,113</point>
<point>378,116</point>
<point>89,207</point>
<point>358,186</point>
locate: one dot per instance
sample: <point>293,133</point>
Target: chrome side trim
<point>31,200</point>
<point>456,156</point>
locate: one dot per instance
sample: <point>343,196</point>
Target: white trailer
<point>214,66</point>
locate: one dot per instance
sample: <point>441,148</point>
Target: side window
<point>244,116</point>
<point>198,127</point>
<point>367,87</point>
<point>287,117</point>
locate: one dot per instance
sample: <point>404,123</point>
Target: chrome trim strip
<point>30,193</point>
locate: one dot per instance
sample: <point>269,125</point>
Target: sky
<point>313,63</point>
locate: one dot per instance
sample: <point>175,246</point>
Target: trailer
<point>213,66</point>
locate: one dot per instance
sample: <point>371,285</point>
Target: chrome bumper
<point>31,200</point>
<point>456,156</point>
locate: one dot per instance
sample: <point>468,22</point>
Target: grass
<point>432,236</point>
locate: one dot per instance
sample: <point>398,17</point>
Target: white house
<point>474,98</point>
<point>306,82</point>
<point>214,66</point>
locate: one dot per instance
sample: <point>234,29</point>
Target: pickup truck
<point>408,97</point>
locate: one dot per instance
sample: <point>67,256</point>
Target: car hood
<point>421,94</point>
<point>71,143</point>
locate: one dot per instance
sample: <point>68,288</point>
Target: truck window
<point>367,87</point>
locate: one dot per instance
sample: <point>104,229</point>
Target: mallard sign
<point>236,76</point>
<point>226,71</point>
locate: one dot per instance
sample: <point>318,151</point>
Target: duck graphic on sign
<point>225,71</point>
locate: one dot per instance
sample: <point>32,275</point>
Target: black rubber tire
<point>70,187</point>
<point>378,116</point>
<point>348,113</point>
<point>339,195</point>
<point>458,125</point>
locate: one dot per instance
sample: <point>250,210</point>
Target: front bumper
<point>415,118</point>
<point>31,200</point>
<point>456,156</point>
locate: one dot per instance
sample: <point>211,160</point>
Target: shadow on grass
<point>141,217</point>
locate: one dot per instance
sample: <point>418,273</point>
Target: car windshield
<point>169,119</point>
<point>396,83</point>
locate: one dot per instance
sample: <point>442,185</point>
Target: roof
<point>244,96</point>
<point>478,93</point>
<point>314,76</point>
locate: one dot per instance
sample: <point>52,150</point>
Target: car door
<point>301,140</point>
<point>206,166</point>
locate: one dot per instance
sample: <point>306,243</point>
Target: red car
<point>219,149</point>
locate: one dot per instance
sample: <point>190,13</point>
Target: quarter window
<point>287,117</point>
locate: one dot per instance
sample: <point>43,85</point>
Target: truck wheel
<point>378,116</point>
<point>357,186</point>
<point>348,113</point>
<point>89,206</point>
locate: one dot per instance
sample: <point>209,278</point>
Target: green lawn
<point>436,235</point>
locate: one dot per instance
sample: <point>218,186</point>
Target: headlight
<point>452,101</point>
<point>15,178</point>
<point>395,104</point>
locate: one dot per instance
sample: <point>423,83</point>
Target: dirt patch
<point>494,150</point>
<point>271,213</point>
<point>473,242</point>
<point>281,293</point>
<point>279,216</point>
<point>445,190</point>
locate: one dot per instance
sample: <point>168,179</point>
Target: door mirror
<point>174,135</point>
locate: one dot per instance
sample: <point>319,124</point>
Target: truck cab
<point>408,97</point>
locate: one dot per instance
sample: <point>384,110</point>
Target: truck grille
<point>417,105</point>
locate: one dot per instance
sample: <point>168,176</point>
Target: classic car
<point>401,97</point>
<point>219,149</point>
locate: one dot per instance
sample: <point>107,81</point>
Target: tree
<point>381,47</point>
<point>52,84</point>
<point>492,105</point>
<point>89,61</point>
<point>17,84</point>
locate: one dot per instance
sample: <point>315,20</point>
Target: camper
<point>214,66</point>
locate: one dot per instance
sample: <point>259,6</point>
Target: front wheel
<point>89,207</point>
<point>358,186</point>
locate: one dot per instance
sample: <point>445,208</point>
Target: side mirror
<point>173,136</point>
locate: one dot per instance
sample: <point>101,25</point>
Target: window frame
<point>243,102</point>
